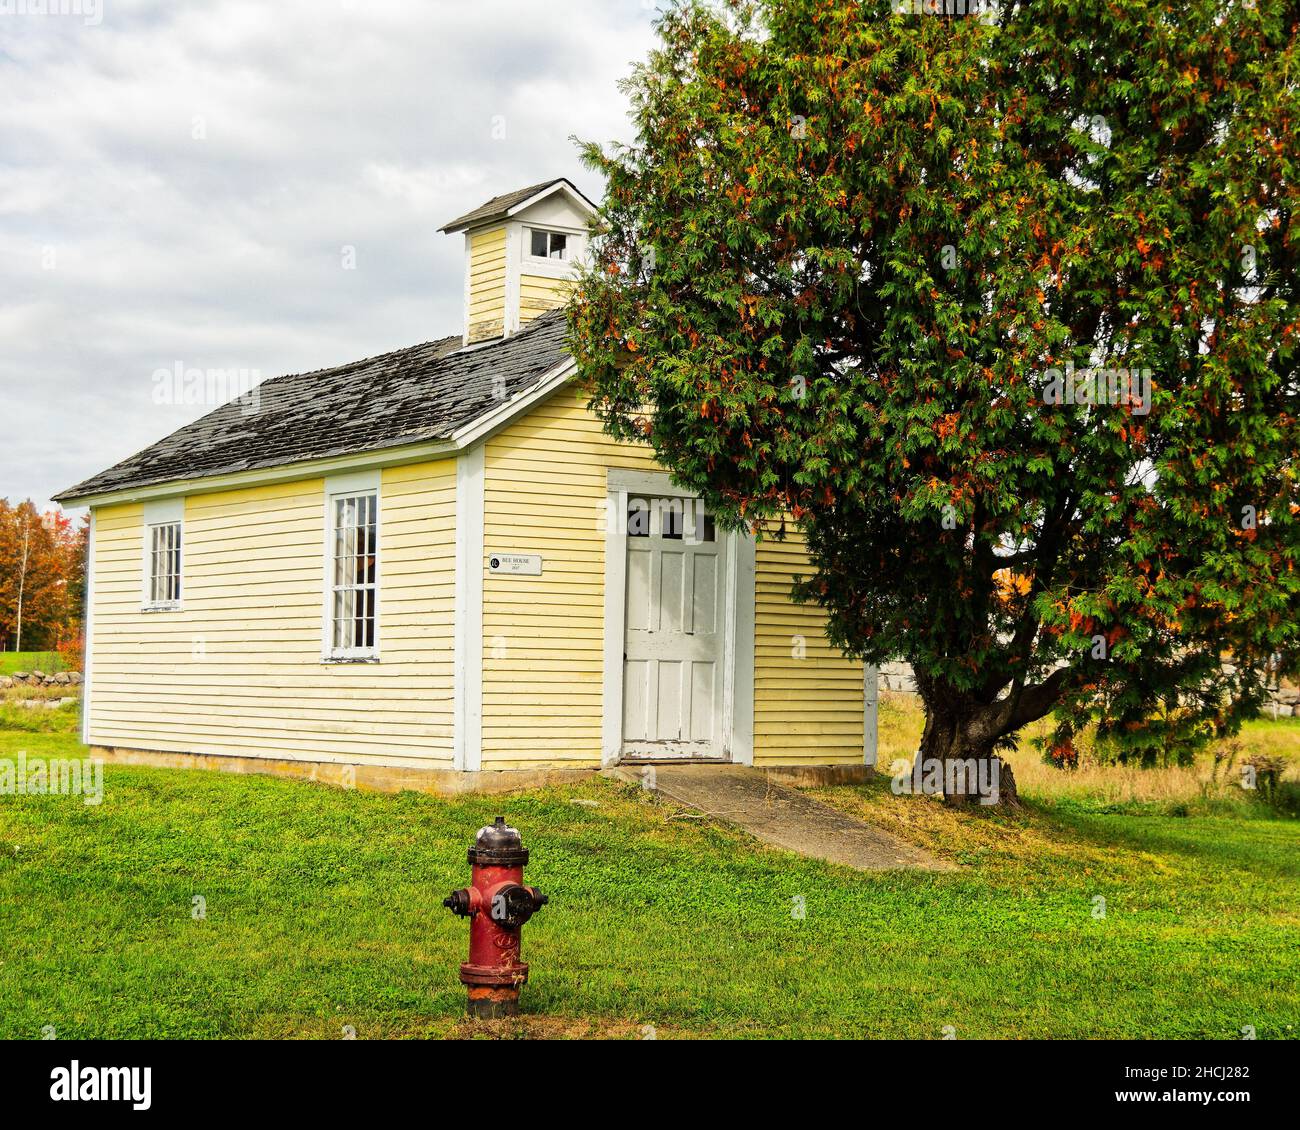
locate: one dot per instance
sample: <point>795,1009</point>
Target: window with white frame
<point>548,244</point>
<point>163,559</point>
<point>353,549</point>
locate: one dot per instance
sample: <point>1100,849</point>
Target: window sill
<point>150,608</point>
<point>345,659</point>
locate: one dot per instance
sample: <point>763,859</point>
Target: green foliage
<point>837,271</point>
<point>42,576</point>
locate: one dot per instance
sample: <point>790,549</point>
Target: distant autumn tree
<point>1002,314</point>
<point>41,565</point>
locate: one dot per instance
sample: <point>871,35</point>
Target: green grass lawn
<point>65,719</point>
<point>48,661</point>
<point>323,909</point>
<point>1278,737</point>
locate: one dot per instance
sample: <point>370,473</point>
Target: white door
<point>673,639</point>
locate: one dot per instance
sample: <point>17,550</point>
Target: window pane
<point>538,245</point>
<point>673,518</point>
<point>344,601</point>
<point>638,518</point>
<point>559,244</point>
<point>342,557</point>
<point>176,563</point>
<point>155,565</point>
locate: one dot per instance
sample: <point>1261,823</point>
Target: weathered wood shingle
<point>413,395</point>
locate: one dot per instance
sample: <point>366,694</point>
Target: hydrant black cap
<point>498,835</point>
<point>498,845</point>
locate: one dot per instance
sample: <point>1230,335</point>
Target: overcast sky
<point>179,182</point>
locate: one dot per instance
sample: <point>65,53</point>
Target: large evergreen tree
<point>857,275</point>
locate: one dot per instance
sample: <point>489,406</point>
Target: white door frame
<point>737,723</point>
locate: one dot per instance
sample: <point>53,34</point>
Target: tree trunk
<point>22,585</point>
<point>960,765</point>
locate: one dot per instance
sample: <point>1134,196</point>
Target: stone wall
<point>1284,702</point>
<point>40,679</point>
<point>897,677</point>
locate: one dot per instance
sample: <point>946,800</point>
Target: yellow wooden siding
<point>543,637</point>
<point>238,670</point>
<point>545,487</point>
<point>537,294</point>
<point>487,284</point>
<point>808,699</point>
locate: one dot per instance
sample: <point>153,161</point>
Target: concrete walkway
<point>780,816</point>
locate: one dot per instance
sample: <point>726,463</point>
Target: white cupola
<point>521,252</point>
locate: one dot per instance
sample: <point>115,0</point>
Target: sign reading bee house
<point>517,564</point>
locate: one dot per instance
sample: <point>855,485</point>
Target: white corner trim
<point>514,254</point>
<point>467,677</point>
<point>615,579</point>
<point>742,710</point>
<point>87,659</point>
<point>469,268</point>
<point>870,722</point>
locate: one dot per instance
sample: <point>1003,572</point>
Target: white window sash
<point>350,621</point>
<point>163,565</point>
<point>554,263</point>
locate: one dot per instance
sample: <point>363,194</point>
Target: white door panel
<point>672,684</point>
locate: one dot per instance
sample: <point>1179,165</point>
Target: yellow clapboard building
<point>433,569</point>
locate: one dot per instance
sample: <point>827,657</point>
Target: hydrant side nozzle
<point>460,903</point>
<point>513,904</point>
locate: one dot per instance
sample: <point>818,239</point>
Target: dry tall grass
<point>1100,784</point>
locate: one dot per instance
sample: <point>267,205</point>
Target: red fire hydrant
<point>497,904</point>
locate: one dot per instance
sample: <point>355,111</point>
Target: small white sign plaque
<point>519,564</point>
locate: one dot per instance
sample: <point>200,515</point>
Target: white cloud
<point>178,183</point>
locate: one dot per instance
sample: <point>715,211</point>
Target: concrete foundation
<point>369,778</point>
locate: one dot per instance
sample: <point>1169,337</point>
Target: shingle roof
<point>413,395</point>
<point>498,206</point>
